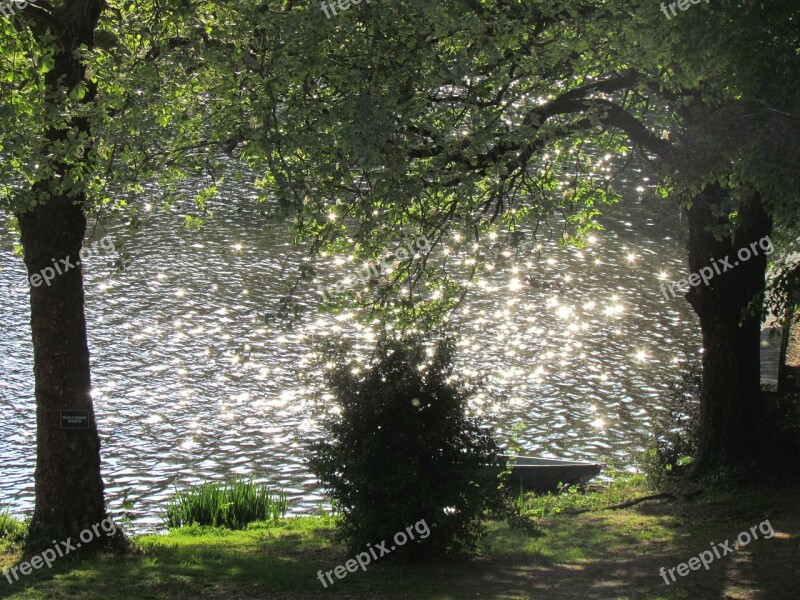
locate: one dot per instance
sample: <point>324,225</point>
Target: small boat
<point>534,474</point>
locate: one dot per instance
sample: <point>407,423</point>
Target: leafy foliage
<point>781,298</point>
<point>403,449</point>
<point>425,118</point>
<point>232,505</point>
<point>674,442</point>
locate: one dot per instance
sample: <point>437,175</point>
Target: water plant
<point>231,504</point>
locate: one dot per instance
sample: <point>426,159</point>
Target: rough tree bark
<point>69,486</point>
<point>731,410</point>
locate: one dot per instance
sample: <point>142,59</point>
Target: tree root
<point>629,503</point>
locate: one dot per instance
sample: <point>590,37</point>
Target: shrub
<point>403,449</point>
<point>231,504</point>
<point>673,444</point>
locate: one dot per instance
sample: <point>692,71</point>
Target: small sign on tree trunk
<point>74,419</point>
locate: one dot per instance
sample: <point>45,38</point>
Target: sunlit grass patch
<point>571,498</point>
<point>11,529</point>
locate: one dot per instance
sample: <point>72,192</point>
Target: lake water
<point>191,383</point>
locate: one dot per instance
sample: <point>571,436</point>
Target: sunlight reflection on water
<point>191,382</point>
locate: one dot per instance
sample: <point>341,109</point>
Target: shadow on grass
<point>608,554</point>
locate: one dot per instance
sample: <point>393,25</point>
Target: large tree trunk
<point>69,486</point>
<point>731,411</point>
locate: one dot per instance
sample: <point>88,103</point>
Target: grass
<point>603,554</point>
<point>233,504</point>
<point>12,531</point>
<point>621,489</point>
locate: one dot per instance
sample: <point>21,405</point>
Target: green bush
<point>232,504</point>
<point>403,449</point>
<point>673,444</point>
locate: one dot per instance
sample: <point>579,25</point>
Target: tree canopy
<point>455,121</point>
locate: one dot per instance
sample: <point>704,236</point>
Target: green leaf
<point>78,92</point>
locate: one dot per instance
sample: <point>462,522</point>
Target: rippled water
<point>191,384</point>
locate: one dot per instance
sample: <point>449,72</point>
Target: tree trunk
<point>731,411</point>
<point>69,486</point>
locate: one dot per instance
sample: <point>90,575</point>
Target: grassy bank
<point>598,554</point>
